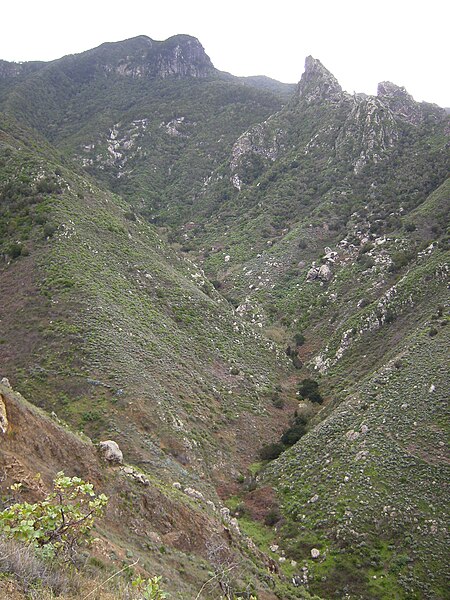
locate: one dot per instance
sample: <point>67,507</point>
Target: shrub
<point>294,432</point>
<point>149,588</point>
<point>49,230</point>
<point>59,522</point>
<point>14,250</point>
<point>271,451</point>
<point>308,388</point>
<point>277,401</point>
<point>272,517</point>
<point>299,339</point>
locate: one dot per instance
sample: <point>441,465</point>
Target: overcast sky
<point>361,43</point>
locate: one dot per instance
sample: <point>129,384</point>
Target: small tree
<point>271,451</point>
<point>61,521</point>
<point>308,388</point>
<point>299,339</point>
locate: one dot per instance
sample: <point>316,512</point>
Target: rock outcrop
<point>180,56</point>
<point>3,416</point>
<point>400,102</point>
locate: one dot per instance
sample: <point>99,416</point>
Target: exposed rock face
<point>3,417</point>
<point>180,55</point>
<point>317,83</point>
<point>111,451</point>
<point>369,132</point>
<point>400,102</point>
<point>257,143</point>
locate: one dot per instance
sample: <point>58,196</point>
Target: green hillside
<point>244,284</point>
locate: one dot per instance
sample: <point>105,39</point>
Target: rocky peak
<point>317,83</point>
<point>180,55</point>
<point>399,102</point>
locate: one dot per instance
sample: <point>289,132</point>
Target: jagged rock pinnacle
<point>317,83</point>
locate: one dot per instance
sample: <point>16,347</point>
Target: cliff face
<point>180,56</point>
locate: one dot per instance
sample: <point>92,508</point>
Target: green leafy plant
<point>150,589</point>
<point>61,521</point>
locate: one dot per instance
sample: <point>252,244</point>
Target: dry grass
<point>33,574</point>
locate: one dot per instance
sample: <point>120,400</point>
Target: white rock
<point>315,553</point>
<point>111,451</point>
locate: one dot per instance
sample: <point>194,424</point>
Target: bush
<point>61,521</point>
<point>271,451</point>
<point>308,388</point>
<point>149,588</point>
<point>14,250</point>
<point>299,339</point>
<point>296,431</point>
<point>277,401</point>
<point>272,517</point>
<point>49,230</point>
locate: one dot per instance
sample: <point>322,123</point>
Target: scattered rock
<point>313,499</point>
<point>176,485</point>
<point>193,493</point>
<point>225,513</point>
<point>111,451</point>
<point>154,537</point>
<point>140,477</point>
<point>432,388</point>
<point>315,553</point>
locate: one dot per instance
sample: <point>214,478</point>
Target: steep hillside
<point>152,526</point>
<point>367,487</point>
<point>169,120</point>
<point>244,286</point>
<point>114,331</point>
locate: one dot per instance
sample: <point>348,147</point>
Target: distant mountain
<point>214,270</point>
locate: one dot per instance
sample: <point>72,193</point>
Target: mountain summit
<point>180,55</point>
<point>318,83</point>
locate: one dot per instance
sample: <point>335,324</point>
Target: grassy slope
<point>379,467</point>
<point>133,341</point>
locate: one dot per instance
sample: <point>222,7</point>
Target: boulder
<point>325,273</point>
<point>111,451</point>
<point>312,274</point>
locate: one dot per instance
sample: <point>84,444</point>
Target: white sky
<point>360,42</point>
